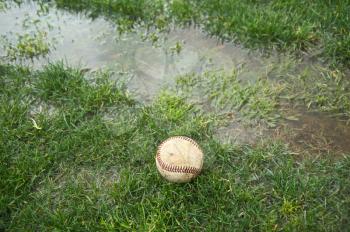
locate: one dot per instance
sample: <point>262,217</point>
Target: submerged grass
<point>263,100</point>
<point>288,25</point>
<point>255,101</point>
<point>325,90</point>
<point>90,165</point>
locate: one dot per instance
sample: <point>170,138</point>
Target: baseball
<point>179,159</point>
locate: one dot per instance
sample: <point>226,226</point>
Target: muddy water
<point>94,44</point>
<point>315,132</point>
<point>309,132</point>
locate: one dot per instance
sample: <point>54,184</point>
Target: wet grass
<point>253,101</point>
<point>262,98</point>
<point>263,101</point>
<point>89,165</point>
<point>77,152</point>
<point>32,42</point>
<point>285,25</point>
<point>314,27</point>
<point>325,90</point>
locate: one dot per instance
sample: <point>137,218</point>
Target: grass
<point>291,25</point>
<point>255,101</point>
<point>27,47</point>
<point>77,152</point>
<point>32,43</point>
<point>320,88</point>
<point>315,27</point>
<point>2,5</point>
<point>231,20</point>
<point>89,165</point>
<point>263,101</point>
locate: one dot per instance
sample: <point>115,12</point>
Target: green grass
<point>321,89</point>
<point>263,101</point>
<point>318,27</point>
<point>28,46</point>
<point>77,152</point>
<point>32,42</point>
<point>254,101</point>
<point>88,165</point>
<point>291,25</point>
<point>286,25</point>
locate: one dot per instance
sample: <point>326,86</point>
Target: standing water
<point>93,44</point>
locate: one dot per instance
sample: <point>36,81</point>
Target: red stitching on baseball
<point>173,168</point>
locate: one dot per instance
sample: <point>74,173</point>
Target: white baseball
<point>179,159</point>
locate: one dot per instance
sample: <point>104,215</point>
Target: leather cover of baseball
<point>179,159</point>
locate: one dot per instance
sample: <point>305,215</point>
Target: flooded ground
<point>94,44</point>
<point>315,132</point>
<point>309,133</point>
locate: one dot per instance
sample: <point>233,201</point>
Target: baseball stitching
<point>174,168</point>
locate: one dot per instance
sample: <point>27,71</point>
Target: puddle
<point>309,133</point>
<point>315,132</point>
<point>95,44</point>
